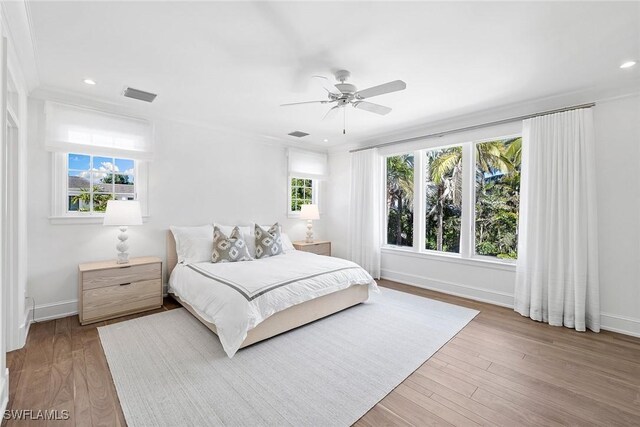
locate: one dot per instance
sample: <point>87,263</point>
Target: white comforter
<point>237,296</point>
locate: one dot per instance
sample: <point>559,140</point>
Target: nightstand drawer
<point>117,276</point>
<point>109,301</point>
<point>320,249</point>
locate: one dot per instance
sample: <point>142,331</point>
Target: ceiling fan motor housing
<point>346,87</point>
<point>342,75</point>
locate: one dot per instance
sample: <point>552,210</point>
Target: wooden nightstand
<point>320,247</point>
<point>107,289</point>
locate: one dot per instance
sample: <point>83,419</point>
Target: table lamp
<point>309,212</point>
<point>123,213</point>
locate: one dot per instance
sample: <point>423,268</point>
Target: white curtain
<point>557,271</point>
<point>365,218</point>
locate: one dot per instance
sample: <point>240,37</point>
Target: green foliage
<point>443,199</point>
<point>84,200</point>
<point>301,193</point>
<point>119,179</point>
<point>498,200</point>
<point>400,200</point>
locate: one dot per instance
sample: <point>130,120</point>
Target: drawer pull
<point>125,284</point>
<point>126,266</point>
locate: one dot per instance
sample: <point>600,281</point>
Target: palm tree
<point>84,200</point>
<point>514,153</point>
<point>445,183</point>
<point>498,200</point>
<point>445,174</point>
<point>399,187</point>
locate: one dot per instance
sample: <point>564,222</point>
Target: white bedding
<point>237,296</point>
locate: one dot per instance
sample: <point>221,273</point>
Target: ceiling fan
<point>343,94</point>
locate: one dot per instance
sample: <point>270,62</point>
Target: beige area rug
<point>170,370</point>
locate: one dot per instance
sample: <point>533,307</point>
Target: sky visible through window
<point>94,180</point>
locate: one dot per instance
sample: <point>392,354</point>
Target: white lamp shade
<point>309,212</point>
<point>123,212</point>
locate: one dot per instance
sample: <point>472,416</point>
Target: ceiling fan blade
<point>327,85</point>
<point>331,113</point>
<point>371,107</point>
<point>393,86</point>
<point>305,102</point>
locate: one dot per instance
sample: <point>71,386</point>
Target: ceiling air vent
<point>298,134</point>
<point>139,94</point>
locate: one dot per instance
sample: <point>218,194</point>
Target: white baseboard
<point>4,390</point>
<point>608,322</point>
<point>502,299</point>
<point>54,310</point>
<point>57,310</point>
<point>621,324</point>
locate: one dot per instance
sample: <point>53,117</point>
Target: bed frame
<point>287,319</point>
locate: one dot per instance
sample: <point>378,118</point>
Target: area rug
<point>170,370</point>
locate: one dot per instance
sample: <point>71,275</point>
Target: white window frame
<point>467,221</point>
<point>59,201</point>
<point>315,184</point>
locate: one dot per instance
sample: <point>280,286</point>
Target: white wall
<point>617,123</point>
<point>198,176</point>
<point>337,202</point>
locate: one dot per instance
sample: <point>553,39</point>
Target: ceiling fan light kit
<point>343,94</point>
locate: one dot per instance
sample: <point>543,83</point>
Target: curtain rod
<point>474,127</point>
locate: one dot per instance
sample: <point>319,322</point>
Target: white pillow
<point>287,246</point>
<point>193,244</point>
<point>247,235</point>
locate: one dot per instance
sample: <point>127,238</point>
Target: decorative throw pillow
<point>229,249</point>
<point>268,242</point>
<point>247,234</point>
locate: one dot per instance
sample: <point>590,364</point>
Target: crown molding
<point>68,97</point>
<point>503,112</point>
<point>17,26</point>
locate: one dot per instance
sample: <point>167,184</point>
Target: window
<point>497,197</point>
<point>301,192</point>
<point>306,170</point>
<point>96,156</point>
<point>400,200</point>
<point>464,199</point>
<point>443,188</point>
<point>93,180</point>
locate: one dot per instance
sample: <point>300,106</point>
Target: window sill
<point>89,219</point>
<point>296,215</point>
<point>480,261</point>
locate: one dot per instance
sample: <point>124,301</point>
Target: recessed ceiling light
<point>89,82</point>
<point>326,140</point>
<point>628,64</point>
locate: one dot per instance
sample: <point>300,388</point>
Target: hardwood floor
<point>502,369</point>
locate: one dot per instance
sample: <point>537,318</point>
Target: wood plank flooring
<point>502,369</point>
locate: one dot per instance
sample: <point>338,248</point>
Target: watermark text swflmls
<point>36,414</point>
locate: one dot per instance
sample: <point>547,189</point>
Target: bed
<point>247,302</point>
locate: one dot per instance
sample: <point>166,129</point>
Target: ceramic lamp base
<point>123,247</point>
<point>309,238</point>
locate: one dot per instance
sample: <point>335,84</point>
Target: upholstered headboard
<point>172,255</point>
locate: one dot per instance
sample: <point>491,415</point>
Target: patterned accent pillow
<point>229,249</point>
<point>268,242</point>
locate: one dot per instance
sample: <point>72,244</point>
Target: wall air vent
<point>298,134</point>
<point>139,94</point>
